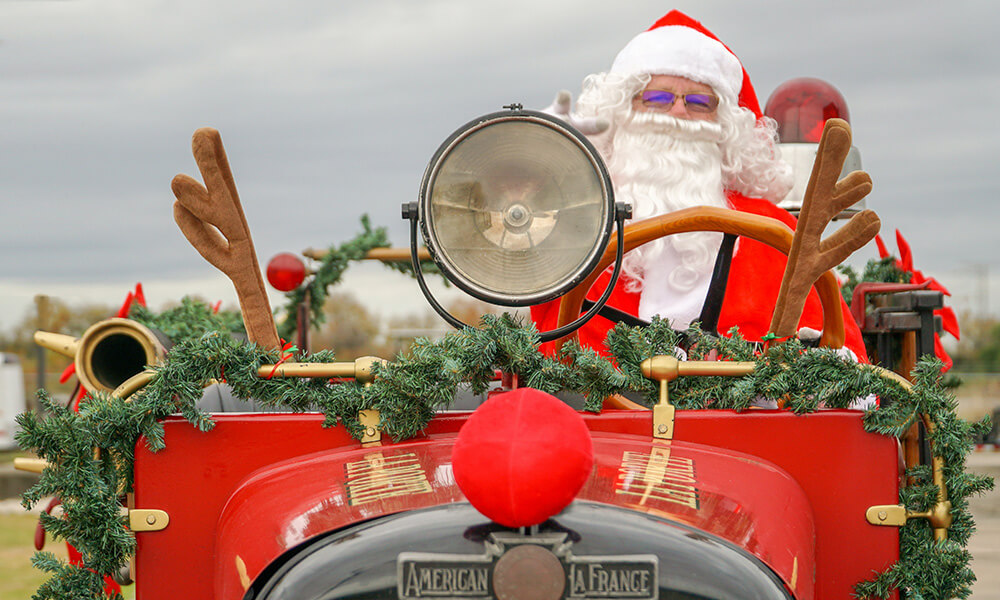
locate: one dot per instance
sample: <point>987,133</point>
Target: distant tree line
<point>979,349</point>
<point>352,330</point>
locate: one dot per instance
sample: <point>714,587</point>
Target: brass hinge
<point>147,519</point>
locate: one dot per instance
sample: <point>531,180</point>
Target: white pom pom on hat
<point>679,45</point>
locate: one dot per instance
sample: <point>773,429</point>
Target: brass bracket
<point>896,515</point>
<point>939,515</point>
<point>147,519</point>
<point>370,421</point>
<point>361,369</point>
<point>663,416</point>
<point>665,369</point>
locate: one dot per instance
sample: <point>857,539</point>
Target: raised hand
<point>560,108</point>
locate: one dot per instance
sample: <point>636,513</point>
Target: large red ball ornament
<point>522,457</point>
<point>285,272</point>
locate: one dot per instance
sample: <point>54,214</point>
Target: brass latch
<point>665,369</point>
<point>147,519</point>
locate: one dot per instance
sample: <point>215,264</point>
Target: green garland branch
<point>190,320</point>
<point>408,391</point>
<point>330,271</point>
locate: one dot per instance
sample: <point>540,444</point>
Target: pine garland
<point>189,320</point>
<point>329,272</point>
<point>408,391</point>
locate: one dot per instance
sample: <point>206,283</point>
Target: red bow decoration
<point>288,350</point>
<point>904,263</point>
<point>136,297</point>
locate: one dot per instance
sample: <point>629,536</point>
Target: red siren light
<point>285,271</point>
<point>802,106</point>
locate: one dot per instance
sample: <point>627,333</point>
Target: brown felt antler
<point>212,220</point>
<point>825,197</point>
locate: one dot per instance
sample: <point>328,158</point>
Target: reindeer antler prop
<point>825,197</point>
<point>212,220</point>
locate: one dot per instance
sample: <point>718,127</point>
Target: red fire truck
<point>714,503</point>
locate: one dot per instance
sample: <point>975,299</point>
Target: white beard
<point>660,164</point>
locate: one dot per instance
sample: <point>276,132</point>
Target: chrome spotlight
<point>516,208</point>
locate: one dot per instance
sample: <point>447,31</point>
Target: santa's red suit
<point>754,279</point>
<point>678,46</point>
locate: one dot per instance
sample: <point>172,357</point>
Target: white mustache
<point>663,124</point>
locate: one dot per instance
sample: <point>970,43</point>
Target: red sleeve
<point>592,334</point>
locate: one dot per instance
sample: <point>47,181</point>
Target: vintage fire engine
<point>516,208</point>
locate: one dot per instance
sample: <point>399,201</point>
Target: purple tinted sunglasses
<point>699,102</point>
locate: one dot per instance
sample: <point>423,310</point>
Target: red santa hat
<point>679,45</point>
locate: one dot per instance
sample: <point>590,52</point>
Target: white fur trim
<point>684,52</point>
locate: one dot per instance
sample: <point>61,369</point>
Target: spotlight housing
<point>516,208</point>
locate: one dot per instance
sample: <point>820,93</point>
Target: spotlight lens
<point>517,209</point>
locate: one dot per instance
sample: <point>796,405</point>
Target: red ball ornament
<point>522,457</point>
<point>285,272</point>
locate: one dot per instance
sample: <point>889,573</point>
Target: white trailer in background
<point>12,400</point>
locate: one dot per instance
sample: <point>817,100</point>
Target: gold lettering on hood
<point>377,477</point>
<point>658,476</point>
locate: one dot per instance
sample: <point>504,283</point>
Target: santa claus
<point>679,125</point>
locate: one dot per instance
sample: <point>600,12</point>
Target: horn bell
<point>110,352</point>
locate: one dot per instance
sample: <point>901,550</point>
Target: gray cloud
<point>330,110</point>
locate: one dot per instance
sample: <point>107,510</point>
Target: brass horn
<point>109,352</point>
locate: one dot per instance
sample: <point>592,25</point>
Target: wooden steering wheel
<point>769,231</point>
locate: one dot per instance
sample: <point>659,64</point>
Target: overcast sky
<point>332,109</point>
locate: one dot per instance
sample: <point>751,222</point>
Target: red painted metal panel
<point>837,468</point>
<point>842,469</point>
<point>193,477</point>
<point>721,492</point>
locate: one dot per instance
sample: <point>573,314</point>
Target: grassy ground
<point>18,579</point>
<point>7,456</point>
<point>978,395</point>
